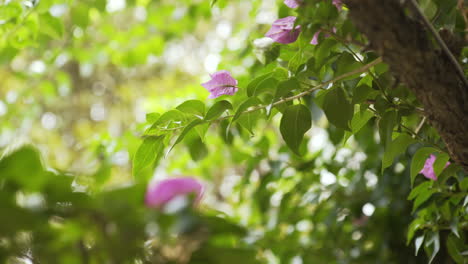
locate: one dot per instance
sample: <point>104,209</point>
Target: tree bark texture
<point>406,46</point>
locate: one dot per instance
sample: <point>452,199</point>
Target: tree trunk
<point>406,46</point>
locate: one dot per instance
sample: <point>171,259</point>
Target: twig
<point>370,72</point>
<point>418,128</point>
<point>441,42</point>
<point>416,136</point>
<point>294,97</point>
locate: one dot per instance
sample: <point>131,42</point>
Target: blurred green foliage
<point>305,164</point>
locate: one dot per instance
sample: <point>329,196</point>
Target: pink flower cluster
<point>283,30</point>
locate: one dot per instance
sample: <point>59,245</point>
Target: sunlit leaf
<point>147,153</point>
<point>217,110</point>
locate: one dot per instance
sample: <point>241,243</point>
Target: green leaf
<point>285,87</point>
<point>217,110</point>
<point>413,227</point>
<point>320,97</point>
<point>338,108</point>
<point>220,225</point>
<point>295,122</point>
<point>195,107</point>
<point>152,117</point>
<point>249,120</point>
<point>202,129</point>
<point>25,35</point>
<point>360,119</point>
<point>197,149</point>
<point>455,248</point>
<point>386,125</point>
<point>10,10</point>
<point>464,184</point>
<point>418,189</point>
<point>147,153</point>
<point>24,167</point>
<point>422,197</point>
<point>363,92</point>
<point>268,84</point>
<point>323,50</point>
<point>347,63</point>
<point>51,26</point>
<point>440,163</point>
<point>255,82</point>
<point>225,133</point>
<point>250,102</point>
<point>419,158</point>
<point>169,119</point>
<point>184,132</point>
<point>397,147</point>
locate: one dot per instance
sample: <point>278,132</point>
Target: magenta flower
<point>315,38</point>
<point>221,83</point>
<point>161,193</point>
<point>428,170</point>
<point>283,30</point>
<point>293,3</point>
<point>338,4</point>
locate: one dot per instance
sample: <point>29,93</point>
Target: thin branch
<point>418,137</point>
<point>441,42</point>
<point>418,128</point>
<point>294,97</point>
<point>370,72</point>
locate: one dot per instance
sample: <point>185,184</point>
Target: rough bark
<point>405,45</point>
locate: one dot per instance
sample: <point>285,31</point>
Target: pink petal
<point>293,3</point>
<point>221,83</point>
<point>314,40</point>
<point>285,21</point>
<point>164,191</point>
<point>282,30</point>
<point>338,4</point>
<point>223,91</point>
<point>224,78</point>
<point>211,85</point>
<point>428,169</point>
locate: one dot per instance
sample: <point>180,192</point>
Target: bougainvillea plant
<point>334,131</point>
